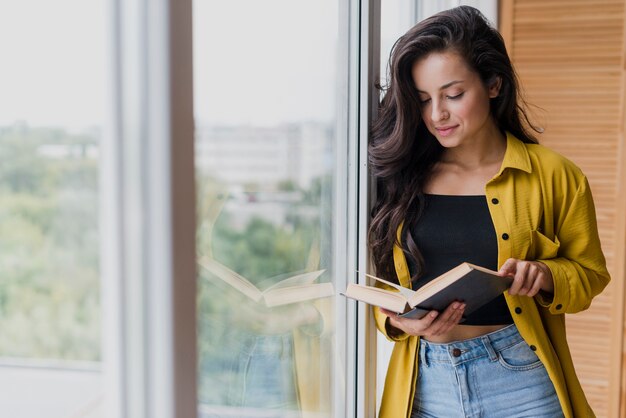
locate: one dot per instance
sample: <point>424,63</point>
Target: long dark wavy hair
<point>402,151</point>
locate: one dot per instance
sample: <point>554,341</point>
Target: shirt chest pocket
<point>542,247</point>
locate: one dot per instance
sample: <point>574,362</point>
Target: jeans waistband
<point>265,344</point>
<point>457,352</point>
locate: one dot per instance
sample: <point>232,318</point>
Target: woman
<point>461,178</point>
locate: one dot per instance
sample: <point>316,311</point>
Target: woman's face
<point>455,101</point>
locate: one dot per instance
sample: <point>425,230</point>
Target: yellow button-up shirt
<point>542,209</point>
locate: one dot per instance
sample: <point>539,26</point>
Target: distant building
<point>245,157</point>
<point>265,170</point>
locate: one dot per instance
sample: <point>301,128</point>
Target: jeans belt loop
<point>493,356</point>
<point>423,348</point>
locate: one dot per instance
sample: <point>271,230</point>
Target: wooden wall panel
<point>569,55</point>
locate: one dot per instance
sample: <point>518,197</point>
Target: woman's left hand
<point>529,277</point>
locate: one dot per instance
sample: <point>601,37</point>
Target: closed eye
<point>458,96</point>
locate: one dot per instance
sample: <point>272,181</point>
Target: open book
<point>471,284</point>
<point>292,289</point>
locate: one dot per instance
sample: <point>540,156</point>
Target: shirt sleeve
<point>579,269</point>
<point>382,322</point>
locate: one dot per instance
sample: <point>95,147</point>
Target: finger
<point>519,280</point>
<point>412,325</point>
<point>535,289</point>
<point>522,279</point>
<point>508,268</point>
<point>433,327</point>
<point>538,284</point>
<point>530,278</point>
<point>427,320</point>
<point>415,326</point>
<point>446,318</point>
<point>392,317</point>
<point>421,325</point>
<point>396,321</point>
<point>449,312</point>
<point>453,320</point>
<point>458,317</point>
<point>547,281</point>
<point>515,285</point>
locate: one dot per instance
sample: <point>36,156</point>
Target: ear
<point>494,86</point>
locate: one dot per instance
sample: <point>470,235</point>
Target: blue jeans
<point>264,374</point>
<point>495,375</point>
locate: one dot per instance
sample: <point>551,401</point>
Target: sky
<point>256,62</point>
<point>265,62</point>
<point>52,62</point>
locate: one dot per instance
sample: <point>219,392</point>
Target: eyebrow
<point>445,86</point>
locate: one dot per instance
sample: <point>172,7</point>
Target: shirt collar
<point>516,155</point>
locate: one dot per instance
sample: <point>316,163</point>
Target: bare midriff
<point>464,332</point>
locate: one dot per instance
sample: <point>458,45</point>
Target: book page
<point>297,280</point>
<point>387,299</point>
<point>301,293</point>
<point>405,291</point>
<point>486,270</point>
<point>237,281</point>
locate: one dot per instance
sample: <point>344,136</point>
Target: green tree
<point>49,292</point>
<point>261,251</point>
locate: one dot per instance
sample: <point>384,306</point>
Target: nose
<point>438,113</point>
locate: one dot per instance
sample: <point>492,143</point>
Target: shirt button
<point>518,310</point>
<point>532,347</point>
<point>505,236</point>
<point>456,352</point>
<point>495,201</point>
<point>559,306</point>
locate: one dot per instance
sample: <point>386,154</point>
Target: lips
<point>446,130</point>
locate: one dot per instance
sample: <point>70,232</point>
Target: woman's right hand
<point>431,325</point>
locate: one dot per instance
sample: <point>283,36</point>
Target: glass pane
<point>51,112</point>
<point>396,17</point>
<point>266,141</point>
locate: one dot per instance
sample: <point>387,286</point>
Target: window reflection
<point>265,155</point>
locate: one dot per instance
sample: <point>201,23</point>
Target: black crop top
<point>452,230</point>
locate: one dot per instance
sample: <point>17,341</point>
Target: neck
<point>486,149</point>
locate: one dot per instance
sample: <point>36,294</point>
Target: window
<point>51,121</point>
<point>152,153</point>
<point>267,142</point>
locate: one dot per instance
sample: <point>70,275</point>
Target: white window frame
<point>368,75</point>
<point>148,214</point>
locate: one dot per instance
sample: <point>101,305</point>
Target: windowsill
<point>58,389</point>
